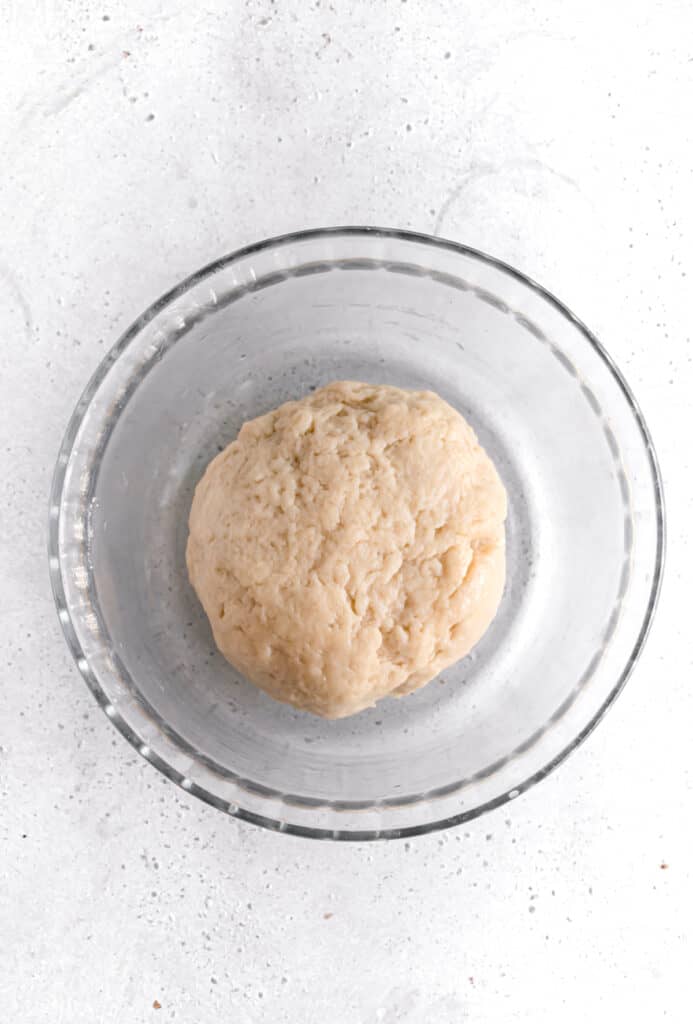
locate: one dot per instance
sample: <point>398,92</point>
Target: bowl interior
<point>258,332</point>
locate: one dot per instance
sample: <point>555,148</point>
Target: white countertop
<point>141,141</point>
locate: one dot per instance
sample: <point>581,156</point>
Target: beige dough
<point>349,546</point>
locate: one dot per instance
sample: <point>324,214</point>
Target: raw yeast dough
<point>349,546</point>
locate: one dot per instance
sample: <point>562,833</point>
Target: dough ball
<point>349,546</point>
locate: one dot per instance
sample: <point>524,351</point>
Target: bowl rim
<point>73,427</point>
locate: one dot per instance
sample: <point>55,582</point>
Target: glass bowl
<point>269,323</point>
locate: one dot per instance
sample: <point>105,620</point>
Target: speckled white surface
<point>140,141</point>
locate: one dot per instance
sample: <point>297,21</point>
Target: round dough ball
<point>349,546</point>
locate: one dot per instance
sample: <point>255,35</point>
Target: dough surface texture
<point>349,546</point>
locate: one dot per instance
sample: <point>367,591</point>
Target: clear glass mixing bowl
<point>269,323</point>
